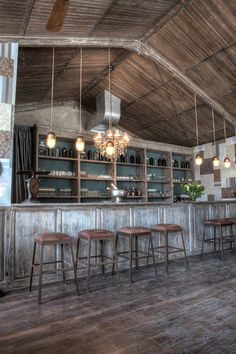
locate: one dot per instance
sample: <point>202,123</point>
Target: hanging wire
<point>109,85</point>
<point>196,118</point>
<point>213,124</point>
<point>52,85</point>
<point>224,129</point>
<point>80,88</point>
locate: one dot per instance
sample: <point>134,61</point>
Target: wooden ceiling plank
<point>107,10</point>
<point>26,18</point>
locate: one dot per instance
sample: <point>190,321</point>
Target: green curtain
<point>22,160</point>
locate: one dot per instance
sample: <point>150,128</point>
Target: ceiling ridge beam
<point>151,53</point>
<point>28,10</point>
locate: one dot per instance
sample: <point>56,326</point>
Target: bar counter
<point>18,224</point>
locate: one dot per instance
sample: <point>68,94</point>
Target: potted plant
<point>193,190</point>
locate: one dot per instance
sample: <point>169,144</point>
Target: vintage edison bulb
<point>51,140</point>
<point>198,160</point>
<point>79,143</point>
<point>227,162</point>
<point>216,161</point>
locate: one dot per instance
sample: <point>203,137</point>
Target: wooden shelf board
<point>130,180</point>
<point>182,169</point>
<point>57,197</point>
<point>58,158</point>
<point>96,179</point>
<point>58,177</point>
<point>161,167</point>
<point>158,182</point>
<point>130,164</point>
<point>96,161</point>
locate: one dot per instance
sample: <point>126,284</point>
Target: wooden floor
<point>185,312</point>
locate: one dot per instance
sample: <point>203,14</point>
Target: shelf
<point>96,161</point>
<point>182,169</point>
<point>130,164</point>
<point>97,197</point>
<point>57,177</point>
<point>181,182</point>
<point>58,158</point>
<point>155,166</point>
<point>158,182</point>
<point>130,180</point>
<point>58,196</point>
<point>135,197</point>
<point>158,197</point>
<point>96,179</point>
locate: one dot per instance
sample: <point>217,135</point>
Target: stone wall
<point>8,73</point>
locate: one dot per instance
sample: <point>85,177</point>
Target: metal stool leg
<point>116,244</point>
<point>136,251</point>
<point>74,268</point>
<point>115,261</point>
<point>221,244</point>
<point>63,264</point>
<point>214,239</point>
<point>88,266</point>
<point>184,249</point>
<point>203,240</point>
<point>102,255</point>
<point>32,267</point>
<point>153,255</point>
<point>40,273</point>
<point>166,252</point>
<point>130,257</point>
<point>148,250</point>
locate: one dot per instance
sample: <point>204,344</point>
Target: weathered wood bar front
<point>20,222</point>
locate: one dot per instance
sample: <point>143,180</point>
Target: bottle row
<point>56,152</point>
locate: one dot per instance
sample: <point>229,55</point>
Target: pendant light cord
<point>213,125</point>
<point>109,85</point>
<point>196,118</point>
<point>52,85</point>
<point>80,88</point>
<point>224,129</point>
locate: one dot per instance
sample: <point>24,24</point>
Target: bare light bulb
<point>198,159</point>
<point>51,140</point>
<point>227,162</point>
<point>79,143</point>
<point>110,149</point>
<point>216,161</point>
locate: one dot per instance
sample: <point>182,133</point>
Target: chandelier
<point>113,142</point>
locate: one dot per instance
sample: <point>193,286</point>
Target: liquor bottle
<point>89,153</point>
<point>64,152</point>
<point>151,161</point>
<point>71,153</point>
<point>163,162</point>
<point>138,160</point>
<point>131,158</point>
<point>159,162</point>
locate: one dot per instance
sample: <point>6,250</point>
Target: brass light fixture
<point>198,158</point>
<point>113,143</point>
<point>79,143</point>
<point>215,159</point>
<point>226,159</point>
<point>51,136</point>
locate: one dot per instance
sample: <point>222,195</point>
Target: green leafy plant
<point>193,190</point>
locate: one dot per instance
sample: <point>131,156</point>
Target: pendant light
<point>114,142</point>
<point>79,143</point>
<point>215,159</point>
<point>51,137</point>
<point>226,160</point>
<point>198,158</point>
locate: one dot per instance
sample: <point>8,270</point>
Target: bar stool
<point>133,233</point>
<point>96,235</point>
<point>220,239</point>
<point>166,249</point>
<point>51,239</point>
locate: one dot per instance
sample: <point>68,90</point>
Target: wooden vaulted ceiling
<point>196,36</point>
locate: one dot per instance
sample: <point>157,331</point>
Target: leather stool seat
<point>166,248</point>
<point>133,233</point>
<point>166,227</point>
<point>218,222</point>
<point>51,239</point>
<point>97,235</point>
<point>132,230</point>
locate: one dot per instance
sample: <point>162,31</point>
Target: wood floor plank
<point>190,311</point>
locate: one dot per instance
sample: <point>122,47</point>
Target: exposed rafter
<point>28,10</point>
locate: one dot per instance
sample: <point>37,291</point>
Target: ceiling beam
<point>85,42</point>
<point>26,18</point>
